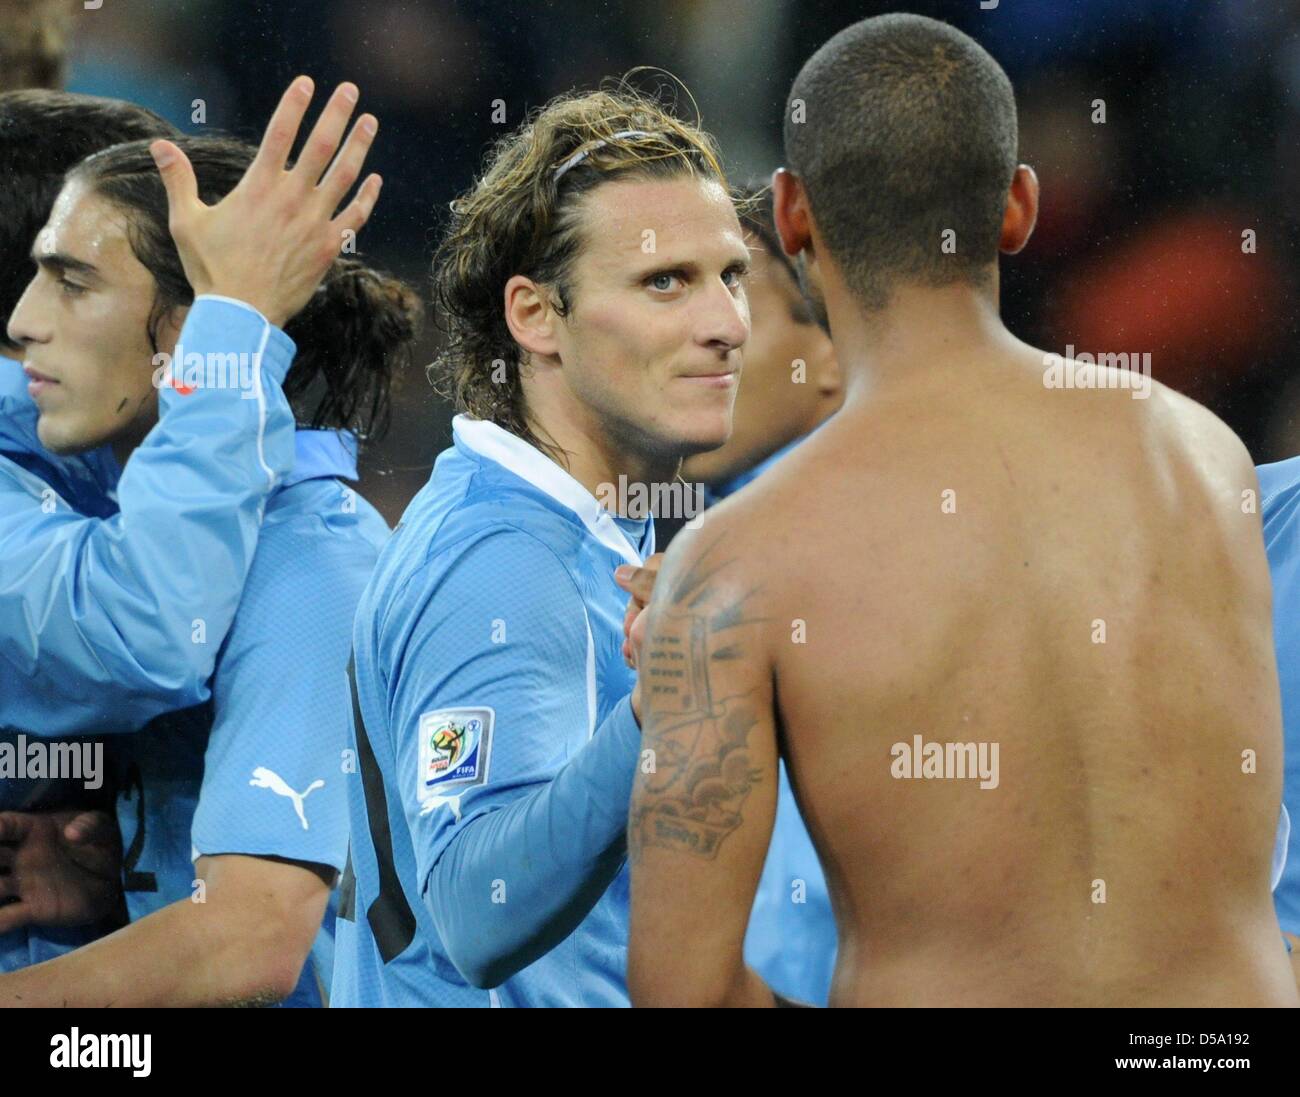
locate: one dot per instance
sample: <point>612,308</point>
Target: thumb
<point>177,176</point>
<point>85,827</point>
<point>638,582</point>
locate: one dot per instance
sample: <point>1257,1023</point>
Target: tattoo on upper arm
<point>698,731</point>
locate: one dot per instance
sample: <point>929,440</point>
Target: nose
<point>724,321</point>
<point>25,325</point>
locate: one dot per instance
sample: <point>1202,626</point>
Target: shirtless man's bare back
<point>1012,639</point>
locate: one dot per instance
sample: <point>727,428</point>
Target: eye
<point>663,281</point>
<point>71,289</point>
<point>736,275</point>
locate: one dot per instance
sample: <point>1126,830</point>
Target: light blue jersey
<point>97,628</point>
<point>1280,487</point>
<point>791,940</point>
<point>261,768</point>
<point>496,743</point>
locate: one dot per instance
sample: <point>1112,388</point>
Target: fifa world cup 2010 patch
<point>455,745</point>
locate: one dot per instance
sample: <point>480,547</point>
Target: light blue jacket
<point>107,622</point>
<point>116,596</point>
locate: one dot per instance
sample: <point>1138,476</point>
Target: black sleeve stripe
<point>390,916</point>
<point>348,891</point>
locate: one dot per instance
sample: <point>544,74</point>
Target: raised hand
<point>271,239</point>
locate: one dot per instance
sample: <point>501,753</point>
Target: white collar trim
<point>529,463</point>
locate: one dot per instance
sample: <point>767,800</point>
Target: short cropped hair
<point>901,129</point>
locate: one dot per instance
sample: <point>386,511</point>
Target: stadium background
<point>1139,247</point>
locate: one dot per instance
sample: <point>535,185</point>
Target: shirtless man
<point>966,555</point>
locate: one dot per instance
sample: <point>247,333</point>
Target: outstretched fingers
<point>358,211</point>
<point>282,130</point>
<point>323,141</point>
<point>347,166</point>
<point>178,180</point>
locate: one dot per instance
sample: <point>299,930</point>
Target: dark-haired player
<point>79,602</point>
<point>1085,657</point>
<point>249,786</point>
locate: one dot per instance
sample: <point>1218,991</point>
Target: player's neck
<point>921,330</point>
<point>125,444</point>
<point>122,450</point>
<point>597,459</point>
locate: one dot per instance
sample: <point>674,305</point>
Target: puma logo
<point>266,778</point>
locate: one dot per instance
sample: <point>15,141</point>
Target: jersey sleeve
<point>274,770</point>
<point>516,803</point>
<point>106,623</point>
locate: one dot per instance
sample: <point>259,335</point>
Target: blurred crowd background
<point>1170,227</point>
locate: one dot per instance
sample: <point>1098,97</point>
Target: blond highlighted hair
<point>523,216</point>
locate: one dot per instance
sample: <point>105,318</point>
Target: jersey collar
<point>529,463</point>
